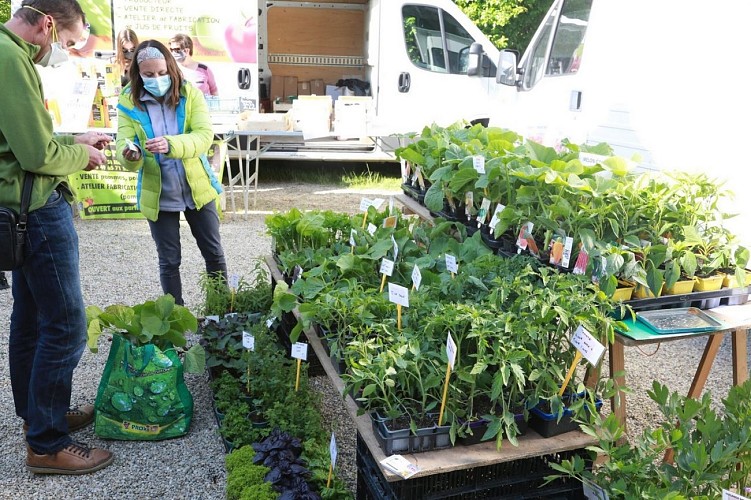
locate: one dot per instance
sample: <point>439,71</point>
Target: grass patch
<point>341,174</point>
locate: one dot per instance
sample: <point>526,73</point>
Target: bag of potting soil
<point>142,395</point>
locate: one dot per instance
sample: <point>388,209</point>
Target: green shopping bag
<point>142,395</point>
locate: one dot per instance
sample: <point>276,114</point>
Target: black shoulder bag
<point>13,229</point>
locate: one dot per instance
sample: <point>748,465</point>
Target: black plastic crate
<point>519,479</point>
<point>405,441</point>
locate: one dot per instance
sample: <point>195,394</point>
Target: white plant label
<point>594,492</point>
<point>372,228</point>
<point>387,267</point>
<point>483,212</point>
<point>451,265</point>
<point>332,450</point>
<point>365,203</point>
<point>729,495</point>
<point>270,322</point>
<point>396,248</point>
<point>405,171</point>
<point>398,295</point>
<point>352,235</point>
<point>300,351</point>
<point>567,248</point>
<point>296,273</point>
<point>450,350</point>
<point>469,203</point>
<point>497,215</point>
<point>230,315</point>
<point>391,205</point>
<point>376,203</point>
<point>479,163</point>
<point>590,347</point>
<point>215,319</point>
<point>249,341</point>
<point>234,281</point>
<point>416,277</point>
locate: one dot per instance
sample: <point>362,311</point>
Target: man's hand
<point>95,139</point>
<point>96,157</point>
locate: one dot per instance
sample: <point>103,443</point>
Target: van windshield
<point>567,28</point>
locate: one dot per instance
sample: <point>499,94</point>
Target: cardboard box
<point>303,88</point>
<point>351,116</point>
<point>317,87</point>
<point>277,88</point>
<point>290,87</point>
<point>312,116</point>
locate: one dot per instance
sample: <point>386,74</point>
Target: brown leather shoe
<point>73,459</point>
<point>77,418</point>
<point>80,417</point>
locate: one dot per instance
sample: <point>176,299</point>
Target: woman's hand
<point>157,145</point>
<point>131,151</point>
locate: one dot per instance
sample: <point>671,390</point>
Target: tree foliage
<point>508,23</point>
<point>4,10</point>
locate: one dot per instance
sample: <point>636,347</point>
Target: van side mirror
<point>476,53</point>
<point>506,73</point>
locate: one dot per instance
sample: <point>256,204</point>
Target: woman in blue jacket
<point>164,132</point>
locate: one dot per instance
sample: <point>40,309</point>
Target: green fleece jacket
<point>27,142</point>
<point>190,146</point>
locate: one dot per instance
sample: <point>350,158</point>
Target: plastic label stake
<point>352,234</point>
<point>234,283</point>
<point>399,295</point>
<point>416,277</point>
<point>587,346</point>
<point>332,454</point>
<point>299,352</point>
<point>387,269</point>
<point>451,355</point>
<point>451,265</point>
<point>364,205</point>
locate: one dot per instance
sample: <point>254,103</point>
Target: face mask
<point>57,55</point>
<point>179,55</point>
<point>157,86</point>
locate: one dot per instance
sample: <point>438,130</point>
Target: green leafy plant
<point>245,480</point>
<point>250,296</point>
<point>160,322</point>
<point>712,450</point>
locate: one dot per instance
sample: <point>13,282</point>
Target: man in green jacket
<point>48,322</point>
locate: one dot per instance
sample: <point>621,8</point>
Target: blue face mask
<point>157,86</point>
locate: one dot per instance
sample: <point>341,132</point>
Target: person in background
<point>48,321</point>
<point>127,41</point>
<point>196,73</point>
<point>164,131</point>
<point>3,281</point>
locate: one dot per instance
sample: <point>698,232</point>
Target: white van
<point>414,55</point>
<point>662,82</point>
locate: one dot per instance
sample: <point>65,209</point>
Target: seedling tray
<point>681,320</point>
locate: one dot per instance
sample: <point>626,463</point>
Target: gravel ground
<point>119,264</point>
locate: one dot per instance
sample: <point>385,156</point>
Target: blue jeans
<point>204,224</point>
<point>47,325</point>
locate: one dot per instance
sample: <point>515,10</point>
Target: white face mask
<point>56,56</point>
